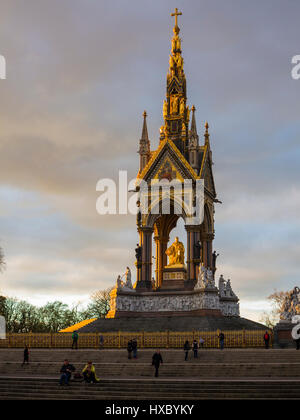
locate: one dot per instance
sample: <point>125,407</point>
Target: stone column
<point>190,253</point>
<point>139,265</point>
<point>207,249</point>
<point>193,235</point>
<point>144,282</point>
<point>161,258</point>
<point>197,263</point>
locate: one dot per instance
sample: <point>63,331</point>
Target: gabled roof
<point>167,145</point>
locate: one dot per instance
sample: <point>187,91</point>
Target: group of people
<point>195,346</point>
<point>88,373</point>
<point>132,347</point>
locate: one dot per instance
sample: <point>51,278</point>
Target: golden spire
<point>176,61</point>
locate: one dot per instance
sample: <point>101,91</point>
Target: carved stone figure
<point>176,253</point>
<point>128,283</point>
<point>214,259</point>
<point>222,285</point>
<point>291,305</point>
<point>210,277</point>
<point>197,249</point>
<point>138,253</point>
<point>119,282</point>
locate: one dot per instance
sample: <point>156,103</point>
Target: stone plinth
<point>283,335</point>
<point>173,278</point>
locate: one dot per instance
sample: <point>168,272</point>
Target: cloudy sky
<point>80,74</point>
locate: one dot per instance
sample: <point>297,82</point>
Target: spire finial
<point>145,130</point>
<point>176,14</point>
<point>206,134</point>
<point>193,124</point>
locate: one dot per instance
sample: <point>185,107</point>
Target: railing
<point>168,339</point>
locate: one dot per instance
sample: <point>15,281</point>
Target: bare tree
<point>277,299</point>
<point>100,304</point>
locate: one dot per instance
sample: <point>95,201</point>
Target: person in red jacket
<point>266,339</point>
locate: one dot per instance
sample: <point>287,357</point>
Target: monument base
<point>202,302</point>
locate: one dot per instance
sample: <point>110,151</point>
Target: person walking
<point>26,356</point>
<point>186,349</point>
<point>134,348</point>
<point>195,349</point>
<point>156,361</point>
<point>266,339</point>
<point>89,373</point>
<point>75,340</point>
<point>129,348</point>
<point>66,372</point>
<point>297,343</point>
<point>221,337</point>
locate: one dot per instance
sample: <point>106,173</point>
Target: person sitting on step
<point>89,373</point>
<point>66,372</point>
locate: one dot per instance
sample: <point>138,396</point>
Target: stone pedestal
<point>173,278</point>
<point>283,335</point>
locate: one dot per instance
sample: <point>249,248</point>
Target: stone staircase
<point>231,373</point>
<point>148,389</point>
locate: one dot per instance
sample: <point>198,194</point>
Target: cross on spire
<point>176,14</point>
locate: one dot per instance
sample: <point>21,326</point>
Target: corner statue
<point>176,253</point>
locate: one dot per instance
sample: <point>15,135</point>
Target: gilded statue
<point>179,61</point>
<point>182,106</point>
<point>165,109</point>
<point>188,113</point>
<point>176,43</point>
<point>174,104</point>
<point>176,253</point>
<point>172,64</point>
<point>162,130</point>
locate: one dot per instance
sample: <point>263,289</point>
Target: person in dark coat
<point>101,342</point>
<point>26,356</point>
<point>156,361</point>
<point>266,339</point>
<point>221,338</point>
<point>195,348</point>
<point>134,348</point>
<point>66,372</point>
<point>129,348</point>
<point>186,349</point>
